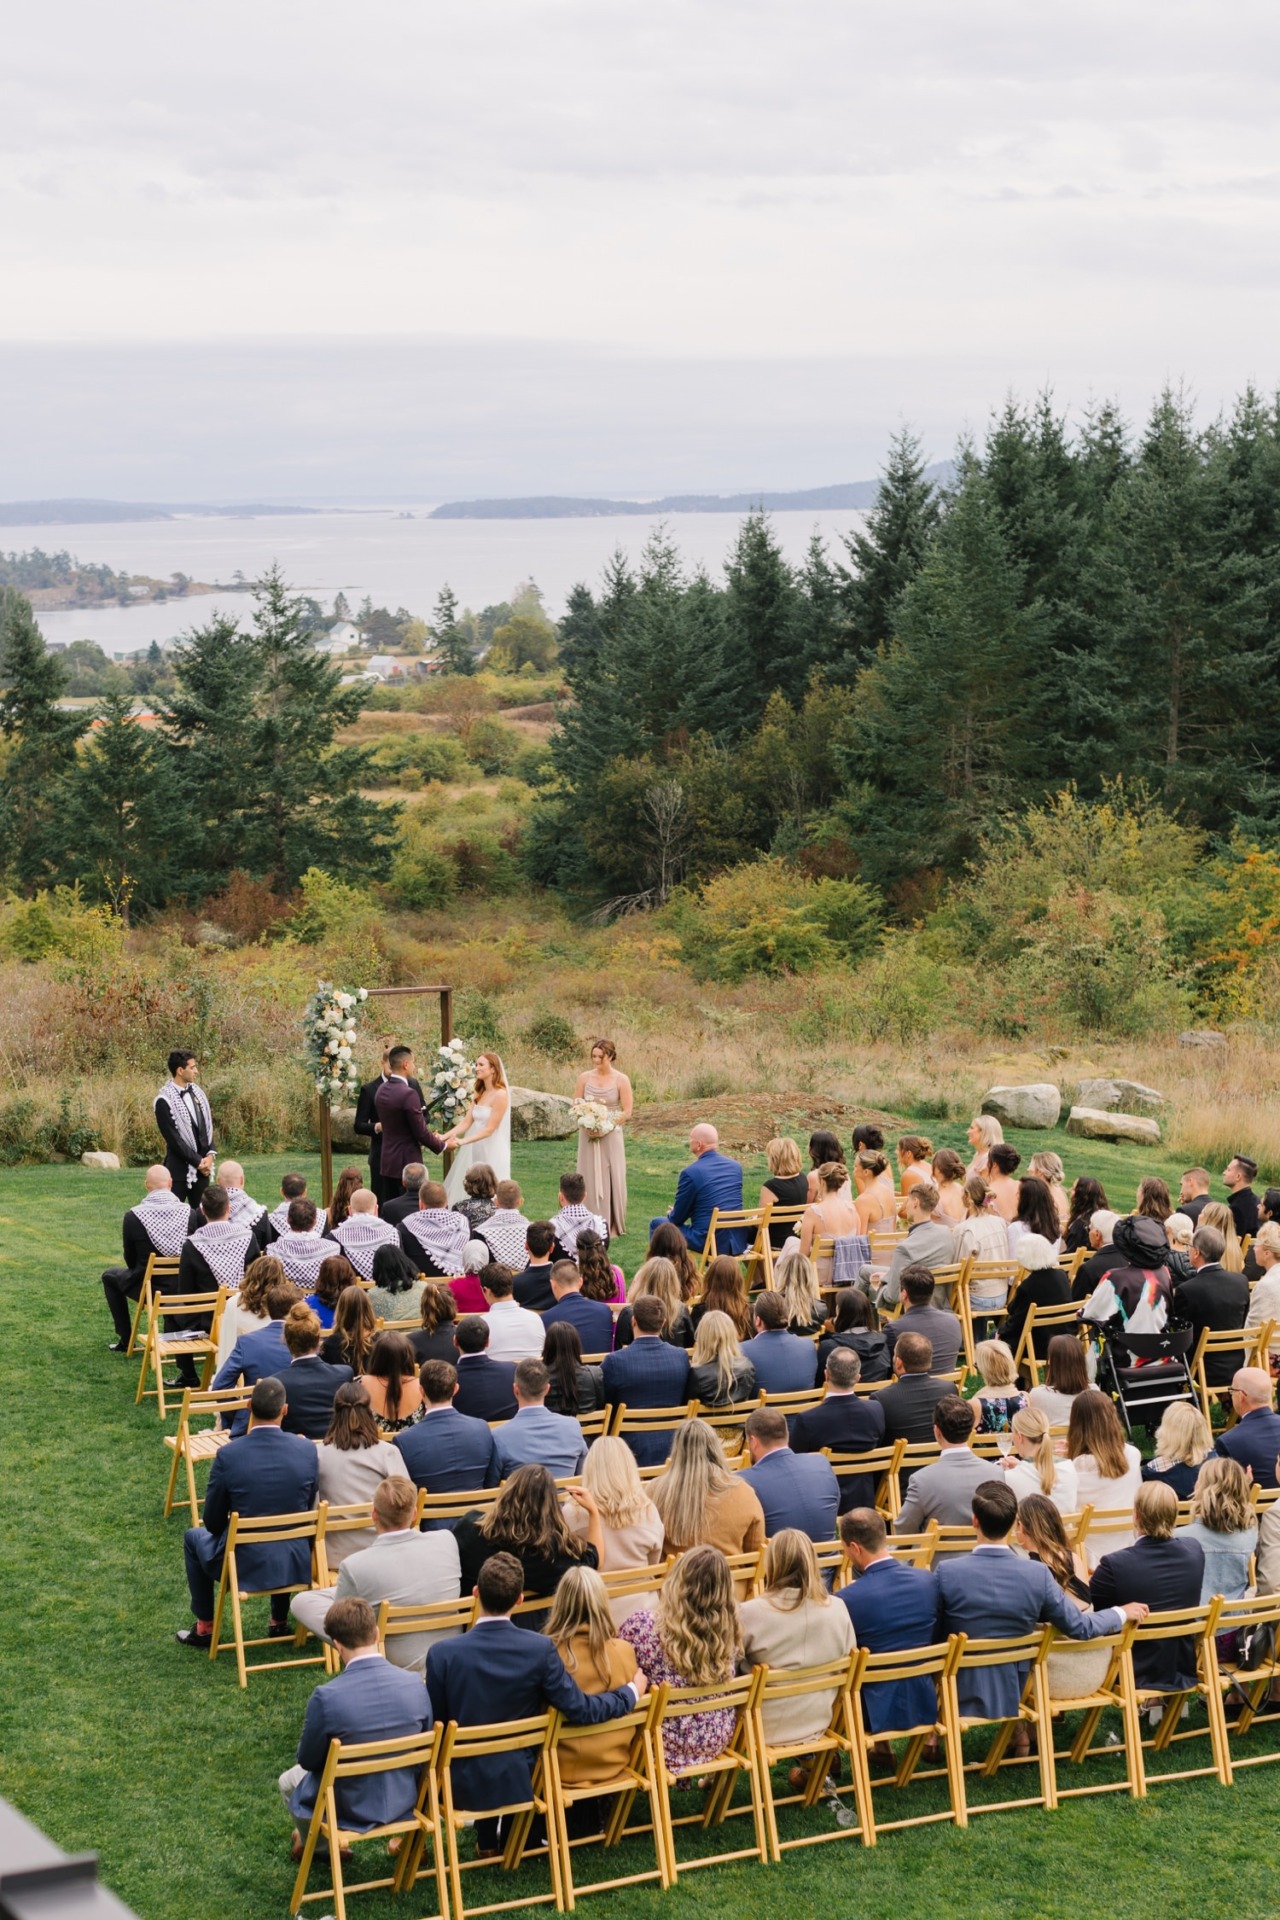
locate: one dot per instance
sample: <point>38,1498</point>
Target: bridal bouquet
<point>329,1026</point>
<point>452,1083</point>
<point>594,1116</point>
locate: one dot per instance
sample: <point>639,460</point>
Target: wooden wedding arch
<point>445,995</point>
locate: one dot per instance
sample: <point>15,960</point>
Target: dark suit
<point>712,1180</point>
<point>188,1180</point>
<point>264,1472</point>
<point>404,1128</point>
<point>908,1406</point>
<point>796,1490</point>
<point>1218,1301</point>
<point>397,1211</point>
<point>368,1700</point>
<point>486,1388</point>
<point>195,1275</point>
<point>252,1358</point>
<point>783,1361</point>
<point>1094,1271</point>
<point>309,1385</point>
<point>1166,1574</point>
<point>449,1452</point>
<point>1254,1442</point>
<point>990,1594</point>
<point>1244,1211</point>
<point>940,1328</point>
<point>122,1284</point>
<point>592,1318</point>
<point>847,1423</point>
<point>894,1607</point>
<point>648,1373</point>
<point>532,1287</point>
<point>1048,1287</point>
<point>366,1125</point>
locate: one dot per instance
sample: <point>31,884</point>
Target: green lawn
<point>115,1739</point>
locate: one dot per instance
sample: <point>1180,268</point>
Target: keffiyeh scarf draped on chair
<point>360,1236</point>
<point>180,1108</point>
<point>301,1255</point>
<point>224,1246</point>
<point>165,1220</point>
<point>442,1235</point>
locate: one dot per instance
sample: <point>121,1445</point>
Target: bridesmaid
<point>602,1159</point>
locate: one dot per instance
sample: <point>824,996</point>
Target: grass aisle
<point>116,1740</point>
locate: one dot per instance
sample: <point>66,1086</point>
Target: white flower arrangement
<point>593,1116</point>
<point>453,1082</point>
<point>329,1028</point>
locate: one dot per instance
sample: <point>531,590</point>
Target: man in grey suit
<point>534,1436</point>
<point>944,1492</point>
<point>408,1568</point>
<point>928,1244</point>
<point>940,1327</point>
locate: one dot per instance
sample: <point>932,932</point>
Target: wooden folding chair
<point>831,1682</point>
<point>443,1619</point>
<point>738,1761</point>
<point>1092,1701</point>
<point>789,1217</point>
<point>747,1570</point>
<point>158,1348</point>
<point>1061,1319</point>
<point>1029,1650</point>
<point>915,1548</point>
<point>629,1422</point>
<point>983,1277</point>
<point>484,1743</point>
<point>953,1279</point>
<point>1249,1689</point>
<point>446,1508</point>
<point>160,1267</point>
<point>189,1447</point>
<point>595,1425</point>
<point>728,1422</point>
<point>1071,1263</point>
<point>419,1750</point>
<point>753,1220</point>
<point>1243,1346</point>
<point>915,1453</point>
<point>632,1588</point>
<point>791,1404</point>
<point>1100,1530</point>
<point>332,1524</point>
<point>1183,1623</point>
<point>261,1531</point>
<point>876,1671</point>
<point>883,1462</point>
<point>950,1539</point>
<point>622,1787</point>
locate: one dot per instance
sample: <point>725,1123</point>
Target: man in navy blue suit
<point>893,1607</point>
<point>648,1373</point>
<point>991,1594</point>
<point>712,1181</point>
<point>257,1354</point>
<point>783,1360</point>
<point>592,1318</point>
<point>369,1700</point>
<point>266,1471</point>
<point>795,1489</point>
<point>499,1672</point>
<point>309,1382</point>
<point>486,1388</point>
<point>1254,1441</point>
<point>447,1451</point>
<point>845,1422</point>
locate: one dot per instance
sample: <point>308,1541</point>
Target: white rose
<point>332,1047</point>
<point>363,994</point>
<point>344,1053</point>
<point>350,1036</point>
<point>344,1001</point>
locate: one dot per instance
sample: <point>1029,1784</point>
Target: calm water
<point>397,562</point>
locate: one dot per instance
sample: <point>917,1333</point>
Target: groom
<point>402,1118</point>
<point>185,1120</point>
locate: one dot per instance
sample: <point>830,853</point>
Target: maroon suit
<point>404,1128</point>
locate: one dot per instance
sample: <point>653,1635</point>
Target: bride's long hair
<point>495,1067</point>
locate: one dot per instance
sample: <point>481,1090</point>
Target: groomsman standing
<point>185,1120</point>
<point>369,1125</point>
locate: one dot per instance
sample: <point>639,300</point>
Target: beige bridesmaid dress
<point>603,1164</point>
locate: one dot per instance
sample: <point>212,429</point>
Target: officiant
<point>185,1120</point>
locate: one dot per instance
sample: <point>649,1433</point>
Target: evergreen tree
<point>121,813</point>
<point>41,741</point>
<point>819,613</point>
<point>889,553</point>
<point>452,642</point>
<point>215,684</point>
<point>763,635</point>
<point>581,634</point>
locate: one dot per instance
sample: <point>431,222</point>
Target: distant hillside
<point>859,494</point>
<point>81,513</point>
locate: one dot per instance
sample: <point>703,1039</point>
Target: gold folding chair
<point>1061,1319</point>
<point>190,1446</point>
<point>336,1523</point>
<point>450,1507</point>
<point>953,1279</point>
<point>1244,1347</point>
<point>1183,1623</point>
<point>884,1462</point>
<point>789,1217</point>
<point>1029,1650</point>
<point>159,1348</point>
<point>417,1750</point>
<point>631,1588</point>
<point>747,1570</point>
<point>442,1619</point>
<point>753,1220</point>
<point>915,1548</point>
<point>728,1422</point>
<point>630,1422</point>
<point>575,1746</point>
<point>959,1538</point>
<point>1071,1263</point>
<point>1249,1689</point>
<point>828,1682</point>
<point>791,1404</point>
<point>160,1267</point>
<point>1100,1530</point>
<point>738,1761</point>
<point>595,1425</point>
<point>915,1453</point>
<point>261,1531</point>
<point>872,1673</point>
<point>983,1277</point>
<point>484,1743</point>
<point>1068,1693</point>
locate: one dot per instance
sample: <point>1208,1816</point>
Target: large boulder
<point>1202,1037</point>
<point>342,1126</point>
<point>1119,1096</point>
<point>1090,1123</point>
<point>104,1162</point>
<point>1035,1106</point>
<point>541,1116</point>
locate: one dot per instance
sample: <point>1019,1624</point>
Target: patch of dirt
<point>746,1122</point>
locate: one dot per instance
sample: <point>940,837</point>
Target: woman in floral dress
<point>690,1639</point>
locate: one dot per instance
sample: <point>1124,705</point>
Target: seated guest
<point>310,1383</point>
<point>657,1278</point>
<point>700,1501</point>
<point>796,1279</point>
<point>893,1607</point>
<point>1036,1213</point>
<point>783,1362</point>
<point>855,1325</point>
<point>432,1339</point>
<point>514,1332</point>
<point>525,1521</point>
<point>1238,1177</point>
<point>446,1451</point>
<point>575,1387</point>
<point>913,1154</point>
<point>435,1237</point>
<point>302,1247</point>
<point>580,1628</point>
<point>263,1472</point>
<point>1264,1257</point>
<point>362,1232</point>
<point>824,1147</point>
<point>1193,1192</point>
<point>1180,1231</point>
<point>505,1232</point>
<point>1044,1284</point>
<point>648,1373</point>
<point>999,1397</point>
<point>1066,1374</point>
<point>486,1387</point>
<point>1225,1528</point>
<point>689,1638</point>
<point>786,1185</point>
<point>1161,1572</point>
<point>909,1403</point>
<point>940,1327</point>
<point>517,1676</point>
<point>401,1565</point>
<point>631,1528</point>
<point>724,1291</point>
<point>1076,1670</point>
<point>246,1310</point>
<point>533,1283</point>
<point>668,1243</point>
<point>1108,1468</point>
<point>575,1217</point>
<point>350,1181</point>
<point>244,1210</point>
<point>794,1622</point>
<point>1213,1301</point>
<point>369,1700</point>
<point>1049,1168</point>
<point>1269,1546</point>
<point>1140,1273</point>
<point>396,1293</point>
<point>984,1233</point>
<point>591,1319</point>
<point>929,1243</point>
<point>1003,1162</point>
<point>949,1178</point>
<point>335,1275</point>
<point>711,1181</point>
<point>944,1491</point>
<point>257,1355</point>
<point>392,1212</point>
<point>159,1224</point>
<point>535,1435</point>
<point>845,1421</point>
<point>1219,1216</point>
<point>1103,1256</point>
<point>1086,1198</point>
<point>834,1215</point>
<point>391,1377</point>
<point>720,1375</point>
<point>1183,1443</point>
<point>465,1287</point>
<point>992,1594</point>
<point>1033,1465</point>
<point>354,1327</point>
<point>354,1462</point>
<point>479,1185</point>
<point>292,1187</point>
<point>795,1489</point>
<point>873,1184</point>
<point>1255,1439</point>
<point>216,1254</point>
<point>601,1280</point>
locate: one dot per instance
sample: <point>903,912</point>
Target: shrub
<point>554,1037</point>
<point>1101,965</point>
<point>59,925</point>
<point>478,1019</point>
<point>903,991</point>
<point>492,745</point>
<point>422,879</point>
<point>765,917</point>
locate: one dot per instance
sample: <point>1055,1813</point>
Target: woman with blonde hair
<point>1034,1467</point>
<point>1108,1470</point>
<point>1049,1168</point>
<point>580,1628</point>
<point>719,1373</point>
<point>631,1530</point>
<point>1215,1214</point>
<point>913,1153</point>
<point>796,1279</point>
<point>985,1132</point>
<point>1225,1526</point>
<point>984,1234</point>
<point>658,1279</point>
<point>836,1212</point>
<point>786,1185</point>
<point>700,1501</point>
<point>1183,1444</point>
<point>794,1623</point>
<point>690,1639</point>
<point>948,1178</point>
<point>999,1397</point>
<point>246,1309</point>
<point>724,1291</point>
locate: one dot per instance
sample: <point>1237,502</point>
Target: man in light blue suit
<point>714,1180</point>
<point>893,1608</point>
<point>991,1594</point>
<point>535,1436</point>
<point>795,1489</point>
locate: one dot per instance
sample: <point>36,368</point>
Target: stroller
<point>1145,1372</point>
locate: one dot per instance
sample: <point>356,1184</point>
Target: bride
<point>485,1132</point>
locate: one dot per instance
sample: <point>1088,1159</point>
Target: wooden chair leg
<point>237,1621</point>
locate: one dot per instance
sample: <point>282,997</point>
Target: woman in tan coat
<point>794,1623</point>
<point>580,1628</point>
<point>701,1502</point>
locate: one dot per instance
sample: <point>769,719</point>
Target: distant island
<point>53,581</point>
<point>858,494</point>
<point>83,513</point>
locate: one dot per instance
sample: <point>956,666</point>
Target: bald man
<point>712,1180</point>
<point>362,1233</point>
<point>160,1223</point>
<point>1254,1441</point>
<point>245,1210</point>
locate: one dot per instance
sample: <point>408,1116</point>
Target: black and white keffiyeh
<point>301,1255</point>
<point>224,1246</point>
<point>245,1210</point>
<point>279,1218</point>
<point>360,1236</point>
<point>573,1220</point>
<point>165,1220</point>
<point>504,1233</point>
<point>180,1102</point>
<point>441,1233</point>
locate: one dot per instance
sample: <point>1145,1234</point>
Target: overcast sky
<point>410,249</point>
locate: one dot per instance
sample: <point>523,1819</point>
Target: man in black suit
<point>185,1120</point>
<point>309,1382</point>
<point>401,1115</point>
<point>1238,1177</point>
<point>159,1224</point>
<point>1254,1441</point>
<point>532,1287</point>
<point>1214,1299</point>
<point>1163,1572</point>
<point>396,1211</point>
<point>486,1388</point>
<point>368,1126</point>
<point>845,1421</point>
<point>1193,1193</point>
<point>909,1403</point>
<point>215,1255</point>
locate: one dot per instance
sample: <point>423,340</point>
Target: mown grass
<point>114,1739</point>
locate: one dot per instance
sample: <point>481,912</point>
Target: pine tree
<point>763,640</point>
<point>581,634</point>
<point>819,616</point>
<point>451,641</point>
<point>889,553</point>
<point>41,744</point>
<point>215,685</point>
<point>121,813</point>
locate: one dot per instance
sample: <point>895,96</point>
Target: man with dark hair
<point>1214,1300</point>
<point>448,1451</point>
<point>1193,1193</point>
<point>304,1246</point>
<point>215,1255</point>
<point>264,1472</point>
<point>159,1224</point>
<point>648,1373</point>
<point>369,1127</point>
<point>394,1212</point>
<point>783,1360</point>
<point>486,1387</point>
<point>292,1187</point>
<point>929,1243</point>
<point>185,1120</point>
<point>944,1492</point>
<point>500,1672</point>
<point>1238,1177</point>
<point>575,1217</point>
<point>844,1420</point>
<point>795,1489</point>
<point>893,1607</point>
<point>260,1354</point>
<point>592,1318</point>
<point>401,1113</point>
<point>310,1383</point>
<point>551,1440</point>
<point>514,1332</point>
<point>403,1566</point>
<point>369,1700</point>
<point>909,1403</point>
<point>939,1326</point>
<point>533,1284</point>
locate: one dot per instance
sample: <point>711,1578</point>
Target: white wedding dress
<point>494,1150</point>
